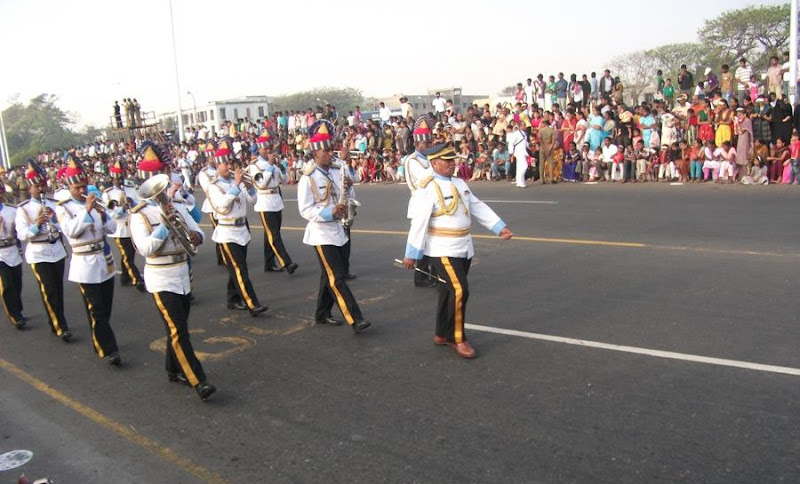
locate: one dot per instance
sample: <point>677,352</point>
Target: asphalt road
<point>696,270</point>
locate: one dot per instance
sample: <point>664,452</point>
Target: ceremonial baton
<point>399,263</point>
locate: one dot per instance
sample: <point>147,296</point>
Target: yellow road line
<point>603,243</point>
<point>123,431</point>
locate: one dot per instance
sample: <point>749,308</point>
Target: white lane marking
<point>786,370</point>
<point>289,199</point>
<point>14,459</point>
<point>543,202</point>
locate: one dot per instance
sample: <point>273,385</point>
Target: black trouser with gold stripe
<point>174,311</point>
<point>274,250</point>
<point>11,289</point>
<point>239,286</point>
<point>333,287</point>
<point>50,276</point>
<point>130,273</point>
<point>452,308</point>
<point>98,299</point>
<point>346,250</point>
<point>217,247</point>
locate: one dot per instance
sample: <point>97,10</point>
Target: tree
<point>670,57</point>
<point>636,70</point>
<point>752,32</point>
<point>345,99</point>
<point>507,91</point>
<point>40,126</point>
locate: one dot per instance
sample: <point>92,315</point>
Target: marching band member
<point>269,204</point>
<point>37,225</point>
<point>418,168</point>
<point>229,199</point>
<point>318,194</point>
<point>85,225</point>
<point>204,178</point>
<point>10,264</point>
<point>62,192</point>
<point>440,228</point>
<point>166,276</point>
<point>123,198</point>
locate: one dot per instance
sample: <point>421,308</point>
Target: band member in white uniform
<point>418,168</point>
<point>204,178</point>
<point>440,229</point>
<point>269,205</point>
<point>166,276</point>
<point>229,197</point>
<point>10,264</point>
<point>37,226</point>
<point>121,199</point>
<point>318,195</point>
<point>85,226</point>
<point>518,147</point>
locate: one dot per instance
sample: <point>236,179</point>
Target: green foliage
<point>40,126</point>
<point>345,99</point>
<point>755,32</point>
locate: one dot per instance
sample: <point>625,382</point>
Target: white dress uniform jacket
<point>317,195</point>
<point>37,249</point>
<point>204,178</point>
<point>91,261</point>
<point>62,194</point>
<point>120,195</point>
<point>440,225</point>
<point>270,199</point>
<point>9,252</point>
<point>166,263</point>
<point>230,208</point>
<point>417,168</point>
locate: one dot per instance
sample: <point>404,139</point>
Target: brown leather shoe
<point>440,341</point>
<point>464,349</point>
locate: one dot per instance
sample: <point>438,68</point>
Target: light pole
<point>6,158</point>
<point>793,53</point>
<point>177,80</point>
<point>194,106</point>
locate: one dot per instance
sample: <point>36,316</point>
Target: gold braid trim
<point>325,195</point>
<point>445,209</point>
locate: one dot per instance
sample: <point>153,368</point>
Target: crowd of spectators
<point>723,128</point>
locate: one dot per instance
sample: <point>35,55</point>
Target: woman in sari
<point>595,133</point>
<point>568,129</point>
<point>610,126</point>
<point>570,163</point>
<point>705,131</point>
<point>744,143</point>
<point>724,120</point>
<point>580,128</point>
<point>647,123</point>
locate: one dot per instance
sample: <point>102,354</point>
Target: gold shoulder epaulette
<point>309,169</point>
<point>62,202</point>
<point>138,207</point>
<point>108,189</point>
<point>52,199</point>
<point>23,203</point>
<point>425,181</point>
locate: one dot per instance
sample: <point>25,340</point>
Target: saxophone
<point>344,199</point>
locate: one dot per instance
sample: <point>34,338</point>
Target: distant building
<point>422,102</point>
<point>215,113</point>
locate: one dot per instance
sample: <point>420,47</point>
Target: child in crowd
<point>726,155</point>
<point>794,151</point>
<point>696,161</point>
<point>758,173</point>
<point>691,131</point>
<point>684,161</point>
<point>710,164</point>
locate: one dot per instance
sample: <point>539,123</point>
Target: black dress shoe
<point>238,305</point>
<point>140,287</point>
<point>360,326</point>
<point>66,336</point>
<point>20,323</point>
<point>205,390</point>
<point>330,321</point>
<point>177,377</point>
<point>273,269</point>
<point>291,268</point>
<point>349,276</point>
<point>258,310</point>
<point>114,359</point>
<point>125,283</point>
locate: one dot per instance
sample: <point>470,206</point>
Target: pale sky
<point>91,52</point>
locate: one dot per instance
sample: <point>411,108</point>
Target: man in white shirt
<point>609,150</point>
<point>529,92</point>
<point>384,113</point>
<point>518,147</point>
<point>439,104</point>
<point>742,76</point>
<point>405,108</point>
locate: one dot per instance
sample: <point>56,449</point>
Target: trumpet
<point>98,203</point>
<point>155,189</point>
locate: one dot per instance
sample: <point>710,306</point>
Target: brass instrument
<point>51,231</point>
<point>255,177</point>
<point>344,198</point>
<point>155,189</point>
<point>98,203</point>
